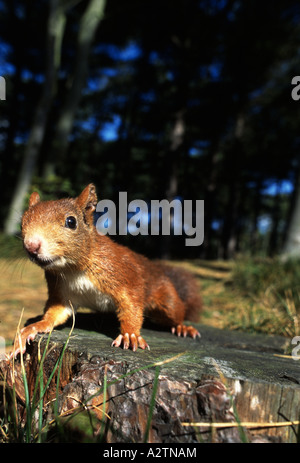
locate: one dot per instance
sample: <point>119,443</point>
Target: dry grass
<point>250,295</point>
<point>22,285</point>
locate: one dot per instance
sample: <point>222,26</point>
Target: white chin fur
<point>57,263</point>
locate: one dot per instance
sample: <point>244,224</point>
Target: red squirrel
<point>84,268</point>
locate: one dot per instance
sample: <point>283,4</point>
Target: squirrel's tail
<point>187,288</point>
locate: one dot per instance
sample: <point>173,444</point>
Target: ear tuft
<point>34,199</point>
<point>87,200</point>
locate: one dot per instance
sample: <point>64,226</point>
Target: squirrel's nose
<point>33,245</point>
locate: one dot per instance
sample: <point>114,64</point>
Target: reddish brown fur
<point>84,267</point>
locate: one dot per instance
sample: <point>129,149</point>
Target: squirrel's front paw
<point>26,335</point>
<point>130,341</point>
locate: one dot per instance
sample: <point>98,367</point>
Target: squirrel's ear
<point>88,198</point>
<point>34,199</point>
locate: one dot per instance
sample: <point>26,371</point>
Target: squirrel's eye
<point>71,222</point>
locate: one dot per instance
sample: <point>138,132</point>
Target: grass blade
<point>152,404</point>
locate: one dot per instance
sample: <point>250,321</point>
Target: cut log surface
<point>222,377</point>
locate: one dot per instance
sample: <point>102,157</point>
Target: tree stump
<point>223,377</point>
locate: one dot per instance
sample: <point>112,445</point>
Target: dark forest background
<point>162,99</point>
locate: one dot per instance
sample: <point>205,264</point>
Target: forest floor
<point>23,293</point>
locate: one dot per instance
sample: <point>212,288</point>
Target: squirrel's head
<point>56,233</point>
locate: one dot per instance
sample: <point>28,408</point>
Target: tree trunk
<point>291,247</point>
<point>229,233</point>
<point>7,174</point>
<point>257,205</point>
<point>171,188</point>
<point>55,30</point>
<point>207,250</point>
<point>225,377</point>
<point>87,29</point>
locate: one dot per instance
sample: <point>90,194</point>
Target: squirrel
<point>84,268</point>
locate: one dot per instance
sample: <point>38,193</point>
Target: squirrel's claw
<point>130,341</point>
<point>183,330</point>
<point>26,335</point>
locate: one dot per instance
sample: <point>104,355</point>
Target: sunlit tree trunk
<point>291,247</point>
<point>55,30</point>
